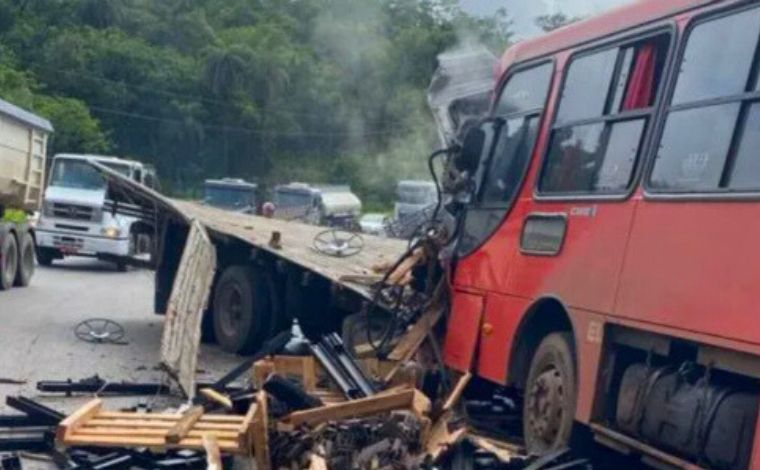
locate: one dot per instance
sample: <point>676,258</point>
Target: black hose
<point>387,335</point>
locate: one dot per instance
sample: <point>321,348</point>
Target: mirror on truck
<point>477,144</point>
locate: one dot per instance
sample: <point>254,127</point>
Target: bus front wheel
<point>550,395</point>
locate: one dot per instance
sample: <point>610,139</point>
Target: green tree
<point>75,128</point>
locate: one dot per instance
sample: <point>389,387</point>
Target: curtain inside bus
<point>641,86</point>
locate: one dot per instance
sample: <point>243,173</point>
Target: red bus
<point>609,261</point>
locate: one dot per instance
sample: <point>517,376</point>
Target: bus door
<point>483,248</point>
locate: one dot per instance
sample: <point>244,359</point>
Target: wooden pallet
<point>93,426</point>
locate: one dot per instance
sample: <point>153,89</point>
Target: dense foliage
<point>267,90</point>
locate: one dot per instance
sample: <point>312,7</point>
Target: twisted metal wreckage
<point>382,399</point>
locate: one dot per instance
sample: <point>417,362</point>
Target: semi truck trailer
<point>23,144</point>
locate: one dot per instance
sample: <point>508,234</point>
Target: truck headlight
<point>112,232</point>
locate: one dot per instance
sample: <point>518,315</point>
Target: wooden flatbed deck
<point>296,243</point>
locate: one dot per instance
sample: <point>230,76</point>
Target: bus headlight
<point>112,232</point>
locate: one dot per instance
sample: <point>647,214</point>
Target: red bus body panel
<point>686,269</point>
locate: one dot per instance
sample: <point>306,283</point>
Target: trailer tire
<point>25,269</point>
<point>550,395</point>
<point>8,261</point>
<point>242,308</point>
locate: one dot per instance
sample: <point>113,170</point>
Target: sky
<point>523,12</point>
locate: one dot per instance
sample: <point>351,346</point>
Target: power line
<point>244,130</point>
<point>187,98</point>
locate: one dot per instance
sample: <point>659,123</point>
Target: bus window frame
<point>540,113</point>
<point>667,27</point>
<point>508,206</point>
<point>654,194</point>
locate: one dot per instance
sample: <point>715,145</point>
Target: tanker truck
<point>23,145</point>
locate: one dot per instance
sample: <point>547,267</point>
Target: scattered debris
<point>338,243</point>
<point>100,330</point>
<point>4,381</point>
<point>91,426</point>
<point>276,241</point>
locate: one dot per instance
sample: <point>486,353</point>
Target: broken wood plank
<point>260,430</point>
<point>208,418</point>
<point>158,424</point>
<point>217,397</point>
<point>261,370</point>
<point>413,400</point>
<point>93,427</point>
<point>213,453</point>
<point>181,335</point>
<point>441,438</point>
<point>503,451</point>
<point>158,442</point>
<point>416,335</point>
<point>456,392</point>
<point>74,421</point>
<point>182,427</point>
<point>151,432</point>
<point>317,462</point>
<point>406,266</point>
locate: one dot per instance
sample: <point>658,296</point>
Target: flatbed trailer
<point>267,272</point>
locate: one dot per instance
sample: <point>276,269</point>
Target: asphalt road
<point>37,340</point>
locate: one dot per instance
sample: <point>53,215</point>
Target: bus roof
<point>620,19</point>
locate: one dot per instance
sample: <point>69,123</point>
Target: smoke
<point>383,109</point>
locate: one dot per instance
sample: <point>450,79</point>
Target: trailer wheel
<point>241,310</point>
<point>25,269</point>
<point>550,395</point>
<point>8,261</point>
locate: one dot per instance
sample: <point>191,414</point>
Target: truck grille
<point>74,212</point>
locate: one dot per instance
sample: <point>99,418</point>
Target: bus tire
<point>8,261</point>
<point>241,310</point>
<point>550,395</point>
<point>25,269</point>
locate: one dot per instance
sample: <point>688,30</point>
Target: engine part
<point>683,412</point>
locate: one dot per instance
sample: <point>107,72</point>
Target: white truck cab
<point>73,219</point>
<point>332,206</point>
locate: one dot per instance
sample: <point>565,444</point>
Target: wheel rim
<point>546,405</point>
<point>11,258</point>
<point>231,311</point>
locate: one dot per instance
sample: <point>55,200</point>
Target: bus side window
<point>601,120</point>
<point>712,127</point>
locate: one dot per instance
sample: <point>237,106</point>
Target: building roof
<point>620,19</point>
<point>24,116</point>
